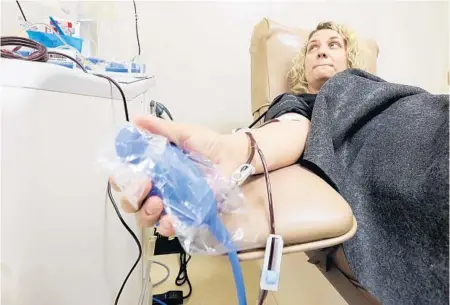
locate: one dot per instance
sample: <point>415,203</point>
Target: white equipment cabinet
<point>61,241</point>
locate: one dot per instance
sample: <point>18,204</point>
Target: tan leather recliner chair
<point>309,214</point>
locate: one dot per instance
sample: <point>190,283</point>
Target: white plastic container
<point>62,243</point>
<point>89,32</point>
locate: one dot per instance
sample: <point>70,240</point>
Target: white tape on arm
<point>291,116</point>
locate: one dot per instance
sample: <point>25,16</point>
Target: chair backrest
<point>273,47</point>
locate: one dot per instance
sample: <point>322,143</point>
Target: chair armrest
<point>309,213</point>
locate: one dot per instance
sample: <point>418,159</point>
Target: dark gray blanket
<point>384,146</point>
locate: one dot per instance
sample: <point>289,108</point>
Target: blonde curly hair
<point>297,77</point>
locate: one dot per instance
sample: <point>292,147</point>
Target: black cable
<point>116,302</point>
<point>258,119</point>
<point>164,109</point>
<point>137,28</point>
<point>182,277</point>
<point>160,109</point>
<point>127,118</point>
<point>21,10</point>
<point>125,105</point>
<point>264,114</point>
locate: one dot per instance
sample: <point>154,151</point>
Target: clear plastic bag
<point>207,209</point>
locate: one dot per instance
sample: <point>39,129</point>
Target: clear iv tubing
<point>171,165</point>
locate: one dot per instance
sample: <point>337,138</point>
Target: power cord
<point>116,302</point>
<point>169,295</point>
<point>137,27</point>
<point>119,215</point>
<point>21,11</point>
<point>182,277</point>
<point>165,277</point>
<point>125,224</point>
<point>159,109</point>
<point>125,105</point>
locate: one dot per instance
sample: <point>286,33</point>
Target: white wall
<point>199,50</point>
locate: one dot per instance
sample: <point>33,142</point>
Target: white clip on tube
<point>242,173</point>
<point>270,276</point>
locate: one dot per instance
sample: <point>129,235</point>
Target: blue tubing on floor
<point>238,278</point>
<point>221,233</point>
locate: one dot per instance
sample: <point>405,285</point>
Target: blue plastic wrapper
<point>207,209</point>
<point>50,40</point>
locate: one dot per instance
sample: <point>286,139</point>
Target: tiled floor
<point>301,282</point>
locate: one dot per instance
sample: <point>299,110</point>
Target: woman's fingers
<point>150,212</point>
<point>114,185</point>
<point>166,227</point>
<point>143,191</point>
<point>161,127</point>
<point>127,206</point>
<point>133,196</point>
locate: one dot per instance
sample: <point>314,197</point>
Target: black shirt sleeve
<point>285,103</point>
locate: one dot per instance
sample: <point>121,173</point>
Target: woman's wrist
<point>239,150</point>
<point>238,147</point>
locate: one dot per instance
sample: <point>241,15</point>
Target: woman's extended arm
<point>282,143</point>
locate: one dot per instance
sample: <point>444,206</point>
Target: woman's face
<point>325,56</point>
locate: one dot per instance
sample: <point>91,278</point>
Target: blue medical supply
<point>136,68</point>
<point>184,188</point>
<point>66,64</point>
<point>116,67</point>
<point>96,60</point>
<point>51,40</point>
<point>123,68</point>
<point>56,25</point>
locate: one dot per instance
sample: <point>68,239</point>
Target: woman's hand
<point>219,149</point>
<point>281,143</point>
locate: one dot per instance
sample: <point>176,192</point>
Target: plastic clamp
<point>270,277</point>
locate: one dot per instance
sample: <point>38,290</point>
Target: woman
<point>324,55</point>
<point>383,146</point>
